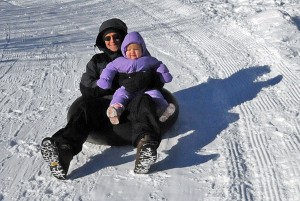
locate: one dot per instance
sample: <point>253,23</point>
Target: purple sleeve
<point>164,73</point>
<point>107,77</point>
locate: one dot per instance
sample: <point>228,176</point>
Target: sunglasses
<point>115,37</point>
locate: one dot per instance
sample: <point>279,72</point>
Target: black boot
<point>146,155</point>
<point>58,157</point>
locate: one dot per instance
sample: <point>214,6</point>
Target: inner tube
<point>96,137</point>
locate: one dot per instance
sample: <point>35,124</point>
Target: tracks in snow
<point>218,58</point>
<point>222,53</point>
<point>39,78</point>
<point>263,123</point>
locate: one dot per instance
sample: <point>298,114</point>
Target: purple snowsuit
<point>125,65</point>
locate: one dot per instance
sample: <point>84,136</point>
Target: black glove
<point>142,80</point>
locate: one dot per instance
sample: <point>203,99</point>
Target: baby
<point>135,59</point>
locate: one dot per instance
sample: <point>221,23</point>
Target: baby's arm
<point>107,76</point>
<point>165,75</point>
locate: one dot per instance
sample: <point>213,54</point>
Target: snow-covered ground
<point>236,65</point>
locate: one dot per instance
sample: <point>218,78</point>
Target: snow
<point>236,77</point>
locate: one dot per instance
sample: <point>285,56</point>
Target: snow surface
<point>236,66</point>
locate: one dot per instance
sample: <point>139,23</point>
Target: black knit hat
<point>111,25</point>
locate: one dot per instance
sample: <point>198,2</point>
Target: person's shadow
<point>204,113</point>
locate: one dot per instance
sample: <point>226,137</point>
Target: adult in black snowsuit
<point>87,118</point>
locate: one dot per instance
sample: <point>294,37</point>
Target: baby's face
<point>133,51</point>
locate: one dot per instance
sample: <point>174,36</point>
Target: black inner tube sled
<point>110,137</point>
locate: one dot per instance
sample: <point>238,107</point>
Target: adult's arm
<point>88,83</point>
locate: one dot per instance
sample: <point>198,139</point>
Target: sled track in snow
<point>34,67</point>
<point>263,169</point>
<point>54,67</point>
<point>269,184</point>
<point>241,188</point>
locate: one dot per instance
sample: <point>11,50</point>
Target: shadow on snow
<point>112,156</point>
<point>204,113</point>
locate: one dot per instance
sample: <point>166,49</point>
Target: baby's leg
<point>117,105</point>
<point>163,109</point>
<point>158,98</point>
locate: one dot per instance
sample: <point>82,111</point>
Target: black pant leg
<point>88,118</point>
<point>76,131</point>
<point>142,114</point>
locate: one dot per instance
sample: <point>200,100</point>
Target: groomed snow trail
<point>236,78</point>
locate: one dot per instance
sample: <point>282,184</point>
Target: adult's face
<point>112,41</point>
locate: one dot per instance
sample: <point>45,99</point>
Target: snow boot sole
<point>147,157</point>
<point>50,154</point>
